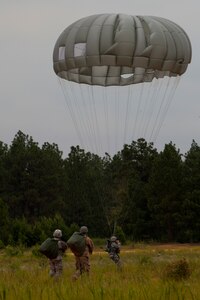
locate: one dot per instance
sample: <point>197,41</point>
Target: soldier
<point>83,261</point>
<point>113,249</point>
<point>56,266</point>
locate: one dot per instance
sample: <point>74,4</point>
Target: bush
<point>99,242</point>
<point>120,235</point>
<point>35,251</point>
<point>1,244</point>
<point>14,251</point>
<point>177,270</point>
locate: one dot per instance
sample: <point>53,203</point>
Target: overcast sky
<point>30,97</point>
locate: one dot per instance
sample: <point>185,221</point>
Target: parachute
<point>119,74</point>
<point>77,243</point>
<point>49,248</point>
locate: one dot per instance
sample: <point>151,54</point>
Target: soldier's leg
<point>117,261</point>
<point>52,271</point>
<point>112,256</point>
<point>78,268</point>
<point>58,267</point>
<point>85,265</point>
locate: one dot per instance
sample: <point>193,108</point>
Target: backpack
<point>49,248</point>
<point>77,243</point>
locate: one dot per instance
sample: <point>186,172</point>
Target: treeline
<point>142,193</point>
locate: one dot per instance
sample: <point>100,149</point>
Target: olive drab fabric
<point>119,49</point>
<point>77,243</point>
<point>49,248</point>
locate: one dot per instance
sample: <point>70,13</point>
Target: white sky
<point>30,97</point>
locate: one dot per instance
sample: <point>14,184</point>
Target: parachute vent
<point>79,49</point>
<point>61,53</point>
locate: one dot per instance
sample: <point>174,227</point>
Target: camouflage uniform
<point>83,262</point>
<point>56,266</point>
<point>114,250</point>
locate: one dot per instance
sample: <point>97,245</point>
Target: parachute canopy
<point>98,61</point>
<point>119,49</point>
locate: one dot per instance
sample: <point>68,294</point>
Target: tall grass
<point>26,277</point>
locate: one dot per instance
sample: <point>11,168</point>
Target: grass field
<point>147,273</point>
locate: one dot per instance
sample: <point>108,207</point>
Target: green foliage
<point>1,244</point>
<point>138,159</point>
<point>99,242</point>
<point>190,208</point>
<point>14,251</point>
<point>150,195</point>
<point>35,251</point>
<point>120,235</point>
<point>84,195</point>
<point>4,221</point>
<point>23,233</point>
<point>177,270</point>
<point>164,192</point>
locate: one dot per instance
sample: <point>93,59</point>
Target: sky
<point>30,96</point>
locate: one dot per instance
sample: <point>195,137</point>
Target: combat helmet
<point>84,229</point>
<point>57,233</point>
<point>113,238</point>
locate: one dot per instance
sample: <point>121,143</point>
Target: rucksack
<point>77,243</point>
<point>49,248</point>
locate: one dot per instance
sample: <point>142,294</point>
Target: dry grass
<point>25,276</point>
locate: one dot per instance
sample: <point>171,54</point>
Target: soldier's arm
<point>117,247</point>
<point>62,246</point>
<point>90,244</point>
